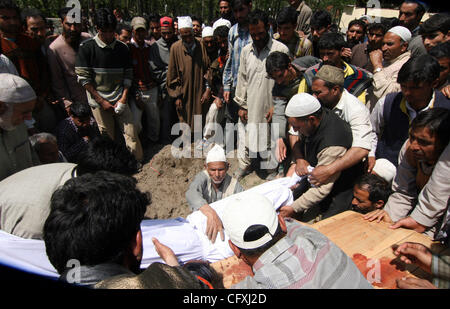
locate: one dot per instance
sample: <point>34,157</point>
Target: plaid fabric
<point>440,268</point>
<point>304,258</point>
<point>237,39</point>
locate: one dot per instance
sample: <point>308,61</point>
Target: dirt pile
<point>167,178</point>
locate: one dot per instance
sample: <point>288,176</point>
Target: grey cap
<point>331,74</point>
<point>15,89</point>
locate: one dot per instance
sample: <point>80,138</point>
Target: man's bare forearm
<point>352,157</point>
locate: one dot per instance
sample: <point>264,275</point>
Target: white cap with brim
<point>402,32</point>
<point>301,105</point>
<point>184,22</point>
<point>216,154</point>
<point>207,32</point>
<point>385,169</point>
<point>221,22</point>
<point>248,209</point>
<point>15,89</point>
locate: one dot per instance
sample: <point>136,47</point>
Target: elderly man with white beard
<point>17,100</point>
<point>211,185</point>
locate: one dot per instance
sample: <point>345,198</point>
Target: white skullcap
<point>207,31</point>
<point>216,154</point>
<point>402,32</point>
<point>302,104</point>
<point>14,89</point>
<point>244,210</point>
<point>369,18</point>
<point>221,22</point>
<point>385,169</point>
<point>184,22</point>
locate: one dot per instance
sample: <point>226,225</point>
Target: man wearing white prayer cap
<point>221,22</point>
<point>211,185</point>
<point>17,100</point>
<point>385,169</point>
<point>387,62</point>
<point>276,248</point>
<point>324,138</point>
<point>188,66</point>
<point>210,43</point>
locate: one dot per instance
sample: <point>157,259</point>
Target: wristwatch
<point>377,70</point>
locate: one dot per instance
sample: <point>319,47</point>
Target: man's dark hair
<point>423,68</point>
<point>203,269</point>
<point>80,110</point>
<point>9,5</point>
<point>258,15</point>
<point>331,40</point>
<point>122,26</point>
<point>153,18</point>
<point>222,31</point>
<point>257,231</point>
<point>103,154</point>
<point>378,188</point>
<point>358,22</point>
<point>31,12</point>
<point>320,19</point>
<point>437,120</point>
<point>236,4</point>
<point>62,12</point>
<point>287,15</point>
<point>104,19</point>
<point>438,22</point>
<point>442,50</point>
<point>229,2</point>
<point>420,9</point>
<point>93,219</point>
<point>277,61</point>
<point>377,26</point>
<point>197,18</point>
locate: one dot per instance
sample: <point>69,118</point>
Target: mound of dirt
<point>167,178</point>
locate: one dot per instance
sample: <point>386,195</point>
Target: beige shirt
<point>254,91</point>
<point>315,195</point>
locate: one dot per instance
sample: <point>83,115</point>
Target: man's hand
<point>178,104</point>
<point>269,115</point>
<point>243,114</point>
<point>280,150</point>
<point>226,96</point>
<point>105,104</point>
<point>370,164</point>
<point>165,253</point>
<point>320,175</point>
<point>379,214</point>
<point>346,52</point>
<point>218,102</point>
<point>213,223</point>
<point>409,223</point>
<point>287,211</point>
<point>414,253</point>
<point>376,57</point>
<point>446,91</point>
<point>206,96</point>
<point>414,283</point>
<point>301,167</point>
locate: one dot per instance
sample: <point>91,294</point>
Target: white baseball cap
<point>245,210</point>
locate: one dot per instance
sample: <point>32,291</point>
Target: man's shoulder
<point>88,43</point>
<point>279,46</point>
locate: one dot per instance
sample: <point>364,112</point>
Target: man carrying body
<point>17,100</point>
<point>188,64</point>
<point>211,185</point>
<point>105,70</point>
<point>283,253</point>
<point>324,138</point>
<point>429,135</point>
<point>254,97</point>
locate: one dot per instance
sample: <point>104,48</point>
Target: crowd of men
<point>362,115</point>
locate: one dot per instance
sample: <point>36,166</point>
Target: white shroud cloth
<point>186,237</point>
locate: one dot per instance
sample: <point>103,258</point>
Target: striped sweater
<point>107,67</point>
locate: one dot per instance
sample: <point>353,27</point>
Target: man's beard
<point>6,119</point>
<point>74,39</point>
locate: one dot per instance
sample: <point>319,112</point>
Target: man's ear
<point>137,247</point>
<point>379,204</point>
<point>405,47</point>
<point>235,249</point>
